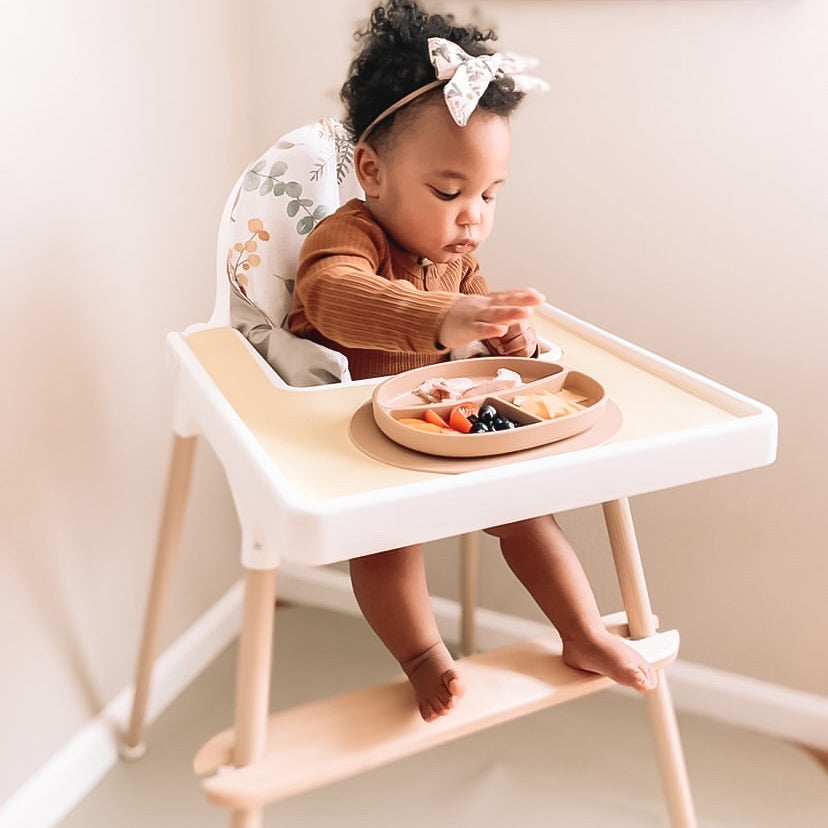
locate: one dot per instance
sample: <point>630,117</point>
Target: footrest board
<point>322,742</point>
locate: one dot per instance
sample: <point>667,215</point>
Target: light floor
<point>586,764</point>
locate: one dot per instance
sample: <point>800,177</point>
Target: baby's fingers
<point>522,297</point>
<point>504,315</point>
<point>489,330</point>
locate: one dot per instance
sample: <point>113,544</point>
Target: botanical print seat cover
<point>278,200</point>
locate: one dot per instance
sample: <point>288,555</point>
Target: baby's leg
<point>538,552</point>
<point>392,593</point>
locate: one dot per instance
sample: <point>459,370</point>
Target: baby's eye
<point>443,195</point>
<point>488,198</point>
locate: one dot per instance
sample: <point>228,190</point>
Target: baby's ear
<point>368,168</point>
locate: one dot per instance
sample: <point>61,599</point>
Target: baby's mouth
<point>462,246</point>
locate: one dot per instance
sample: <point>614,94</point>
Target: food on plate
<point>466,418</point>
<point>431,416</point>
<point>488,419</point>
<point>422,425</point>
<point>463,417</point>
<point>548,406</point>
<point>440,389</point>
<point>503,380</point>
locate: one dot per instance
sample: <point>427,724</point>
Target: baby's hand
<point>520,340</point>
<point>487,317</point>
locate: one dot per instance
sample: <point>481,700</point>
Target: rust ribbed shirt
<point>360,294</point>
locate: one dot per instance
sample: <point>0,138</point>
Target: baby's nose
<point>469,216</point>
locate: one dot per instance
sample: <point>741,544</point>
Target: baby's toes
<point>428,713</point>
<point>646,678</point>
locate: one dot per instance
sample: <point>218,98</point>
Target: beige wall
<point>671,187</point>
<point>123,128</point>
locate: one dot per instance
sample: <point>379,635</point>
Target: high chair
<point>311,485</point>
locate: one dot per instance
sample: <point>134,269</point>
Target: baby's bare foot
<point>610,656</point>
<point>437,685</point>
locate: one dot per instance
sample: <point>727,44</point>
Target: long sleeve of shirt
<point>358,293</point>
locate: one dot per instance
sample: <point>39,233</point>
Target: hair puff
<point>393,61</point>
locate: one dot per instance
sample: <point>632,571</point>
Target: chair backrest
<point>276,202</point>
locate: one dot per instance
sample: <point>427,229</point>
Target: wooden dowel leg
<point>253,677</point>
<point>169,534</point>
<point>636,600</point>
<point>674,778</point>
<point>247,819</point>
<point>470,557</point>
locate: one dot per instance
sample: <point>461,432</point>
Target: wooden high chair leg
<point>169,533</point>
<point>641,623</point>
<point>470,555</point>
<point>253,677</point>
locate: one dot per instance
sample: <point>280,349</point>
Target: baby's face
<point>435,194</point>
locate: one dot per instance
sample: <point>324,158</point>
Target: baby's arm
<point>502,318</point>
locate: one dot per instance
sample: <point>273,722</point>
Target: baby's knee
<point>389,559</point>
<point>519,528</point>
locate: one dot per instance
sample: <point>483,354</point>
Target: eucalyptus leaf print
<point>273,183</point>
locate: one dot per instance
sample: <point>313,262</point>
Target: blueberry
<point>487,413</point>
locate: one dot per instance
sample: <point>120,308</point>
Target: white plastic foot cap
<point>131,753</point>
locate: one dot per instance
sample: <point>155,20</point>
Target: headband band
<point>464,79</point>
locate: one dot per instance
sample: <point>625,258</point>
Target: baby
<point>392,282</point>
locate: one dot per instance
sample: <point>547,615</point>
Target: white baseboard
<point>51,793</point>
<point>742,701</point>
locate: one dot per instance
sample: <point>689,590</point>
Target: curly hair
<point>393,62</point>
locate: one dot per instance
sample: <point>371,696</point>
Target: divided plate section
<point>544,388</point>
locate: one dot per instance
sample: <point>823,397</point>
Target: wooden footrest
<point>325,741</point>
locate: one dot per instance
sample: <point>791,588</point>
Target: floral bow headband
<point>464,79</point>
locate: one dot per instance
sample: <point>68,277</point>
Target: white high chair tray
<point>334,502</point>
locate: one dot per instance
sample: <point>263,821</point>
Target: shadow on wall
<point>67,522</point>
